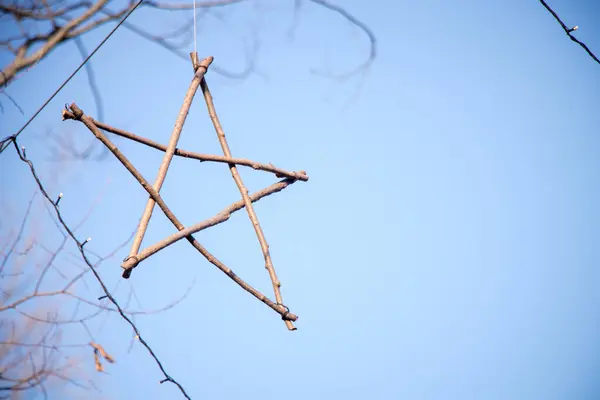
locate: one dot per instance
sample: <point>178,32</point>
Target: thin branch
<point>247,201</point>
<point>23,13</point>
<point>569,31</point>
<point>190,6</point>
<point>13,343</point>
<point>362,26</point>
<point>109,17</point>
<point>97,98</point>
<point>173,49</point>
<point>56,36</point>
<point>19,234</point>
<point>279,173</point>
<point>169,153</point>
<point>6,76</point>
<point>13,101</point>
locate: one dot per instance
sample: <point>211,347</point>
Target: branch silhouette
<point>43,373</point>
<point>569,31</point>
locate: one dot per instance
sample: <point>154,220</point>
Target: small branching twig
<point>279,173</point>
<point>364,66</point>
<point>46,25</point>
<point>23,352</point>
<point>60,35</point>
<point>569,31</point>
<point>98,353</point>
<point>18,237</point>
<point>169,153</point>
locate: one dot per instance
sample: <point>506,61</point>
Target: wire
<point>568,31</point>
<point>80,245</point>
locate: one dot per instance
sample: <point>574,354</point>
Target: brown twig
<point>162,41</point>
<point>169,153</point>
<point>21,62</point>
<point>18,237</point>
<point>73,20</point>
<point>87,121</point>
<point>247,201</point>
<point>279,173</point>
<point>56,36</point>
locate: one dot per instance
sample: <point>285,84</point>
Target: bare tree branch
<point>569,31</point>
<point>54,37</point>
<point>32,353</point>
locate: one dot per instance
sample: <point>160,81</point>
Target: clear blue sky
<point>445,247</point>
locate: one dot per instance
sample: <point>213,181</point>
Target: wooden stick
<point>247,201</point>
<point>170,151</point>
<point>279,173</point>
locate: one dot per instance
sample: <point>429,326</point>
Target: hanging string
<point>195,50</point>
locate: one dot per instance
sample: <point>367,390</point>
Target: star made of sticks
<point>135,255</point>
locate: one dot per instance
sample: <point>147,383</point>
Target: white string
<point>195,50</point>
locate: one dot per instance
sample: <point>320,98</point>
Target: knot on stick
<point>128,264</point>
<point>72,112</point>
<point>286,314</point>
<point>200,68</point>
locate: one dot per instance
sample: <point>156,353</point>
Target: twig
<point>279,173</point>
<point>18,237</point>
<point>186,6</point>
<point>247,201</point>
<point>12,100</point>
<point>362,26</point>
<point>87,121</point>
<point>97,99</point>
<point>91,78</point>
<point>170,151</point>
<point>102,352</point>
<point>569,31</point>
<point>161,41</point>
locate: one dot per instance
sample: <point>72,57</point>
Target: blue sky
<point>443,248</point>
